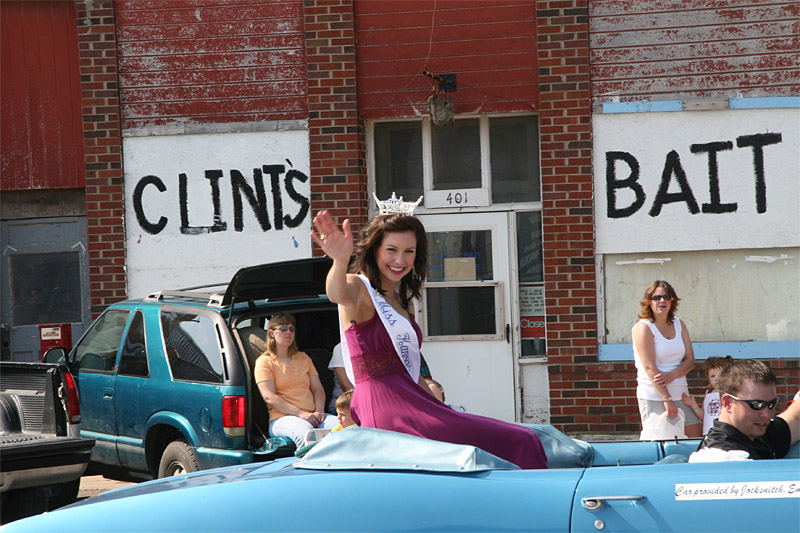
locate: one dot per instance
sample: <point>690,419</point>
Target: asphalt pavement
<point>96,484</point>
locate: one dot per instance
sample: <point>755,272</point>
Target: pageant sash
<point>403,336</point>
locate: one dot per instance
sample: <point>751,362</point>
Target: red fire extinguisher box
<point>55,336</point>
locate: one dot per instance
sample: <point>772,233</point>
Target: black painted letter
<point>714,206</point>
<point>275,172</point>
<point>672,166</point>
<point>213,176</point>
<point>138,208</point>
<point>304,202</point>
<point>631,182</point>
<point>758,142</point>
<point>258,200</point>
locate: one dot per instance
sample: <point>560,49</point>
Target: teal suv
<point>165,382</point>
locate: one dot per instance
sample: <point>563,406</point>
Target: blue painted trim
<point>643,107</point>
<point>704,350</point>
<point>767,102</point>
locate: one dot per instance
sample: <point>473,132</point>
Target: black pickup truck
<point>42,455</point>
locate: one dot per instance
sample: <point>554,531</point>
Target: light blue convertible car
<point>362,479</point>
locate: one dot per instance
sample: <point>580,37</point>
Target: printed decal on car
<point>736,491</point>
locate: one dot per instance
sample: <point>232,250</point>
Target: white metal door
<point>465,312</point>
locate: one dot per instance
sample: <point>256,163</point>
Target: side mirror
<point>55,355</point>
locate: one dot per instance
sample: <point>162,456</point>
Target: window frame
<point>437,200</point>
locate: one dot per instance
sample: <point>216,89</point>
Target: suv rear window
<point>192,344</point>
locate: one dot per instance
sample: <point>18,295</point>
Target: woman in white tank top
<point>662,351</point>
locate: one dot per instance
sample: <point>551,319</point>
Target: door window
<point>461,297</point>
<point>98,349</point>
<point>133,359</point>
<point>193,349</point>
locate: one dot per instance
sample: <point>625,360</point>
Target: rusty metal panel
<point>676,49</point>
<point>42,132</point>
<point>490,45</point>
<point>193,61</point>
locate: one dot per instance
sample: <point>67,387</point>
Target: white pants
<point>296,428</point>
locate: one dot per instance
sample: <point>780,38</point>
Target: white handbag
<point>662,427</point>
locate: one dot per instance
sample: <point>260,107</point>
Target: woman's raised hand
<point>335,242</point>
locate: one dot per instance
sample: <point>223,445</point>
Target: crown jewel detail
<point>396,206</point>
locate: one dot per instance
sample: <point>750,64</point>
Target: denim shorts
<point>657,406</point>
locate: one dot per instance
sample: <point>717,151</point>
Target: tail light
<point>73,403</point>
<point>233,415</point>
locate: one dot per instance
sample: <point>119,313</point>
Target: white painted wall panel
<point>181,239</point>
<point>761,200</point>
<point>726,295</point>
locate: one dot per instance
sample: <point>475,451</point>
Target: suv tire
<point>178,458</point>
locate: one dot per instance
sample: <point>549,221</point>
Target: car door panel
<point>93,363</point>
<point>733,496</point>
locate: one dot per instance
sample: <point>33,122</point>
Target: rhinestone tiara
<point>395,206</point>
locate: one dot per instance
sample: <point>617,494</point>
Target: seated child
<point>711,403</point>
<point>343,410</point>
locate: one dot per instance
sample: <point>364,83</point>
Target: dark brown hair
<point>733,376</point>
<point>645,312</point>
<point>281,319</point>
<point>716,362</point>
<point>371,238</point>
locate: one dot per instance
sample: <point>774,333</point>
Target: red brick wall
<point>677,49</point>
<point>102,141</point>
<point>489,44</point>
<point>193,62</point>
<point>336,136</point>
<point>581,391</point>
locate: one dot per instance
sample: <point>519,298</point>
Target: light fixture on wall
<point>440,105</point>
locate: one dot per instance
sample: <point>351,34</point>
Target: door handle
<point>108,394</point>
<point>508,333</point>
<point>592,503</point>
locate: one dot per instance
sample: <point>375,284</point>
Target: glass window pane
<point>193,351</point>
<point>529,246</point>
<point>457,156</point>
<point>133,359</point>
<point>514,159</point>
<point>398,159</point>
<point>98,348</point>
<point>45,288</point>
<point>531,283</point>
<point>461,311</point>
<point>445,247</point>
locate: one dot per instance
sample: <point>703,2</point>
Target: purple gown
<point>386,397</point>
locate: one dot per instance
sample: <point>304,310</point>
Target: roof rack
<point>211,299</point>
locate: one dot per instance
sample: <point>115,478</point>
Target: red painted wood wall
<point>489,44</point>
<point>41,137</point>
<point>680,49</point>
<point>200,62</point>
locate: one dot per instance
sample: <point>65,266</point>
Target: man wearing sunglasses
<point>747,427</point>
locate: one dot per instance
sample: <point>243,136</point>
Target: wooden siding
<point>489,44</point>
<point>681,49</point>
<point>211,61</point>
<point>42,137</point>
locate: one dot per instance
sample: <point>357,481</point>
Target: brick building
<point>210,132</point>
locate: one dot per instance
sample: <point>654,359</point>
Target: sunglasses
<point>657,297</point>
<point>284,329</point>
<point>757,405</point>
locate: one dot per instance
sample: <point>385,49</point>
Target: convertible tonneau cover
<point>357,448</point>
